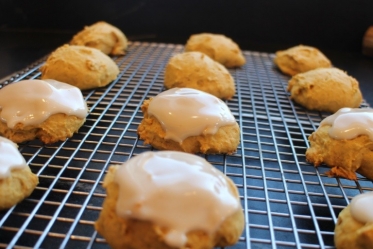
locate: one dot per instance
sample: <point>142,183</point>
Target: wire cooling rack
<point>287,202</point>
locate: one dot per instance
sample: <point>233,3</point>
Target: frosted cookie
<point>46,109</point>
<point>80,66</point>
<point>344,142</point>
<point>189,120</point>
<point>300,59</point>
<point>169,200</point>
<point>354,229</point>
<point>198,71</point>
<point>325,89</point>
<point>102,36</point>
<point>218,47</point>
<point>16,179</point>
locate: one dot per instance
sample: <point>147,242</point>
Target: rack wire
<point>287,202</point>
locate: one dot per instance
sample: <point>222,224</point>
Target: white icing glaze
<point>175,190</point>
<point>349,123</point>
<point>362,206</point>
<point>185,112</point>
<point>31,102</point>
<point>10,158</point>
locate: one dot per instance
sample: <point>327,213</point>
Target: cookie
<point>300,59</point>
<point>80,66</point>
<point>46,109</point>
<point>325,89</point>
<point>344,142</point>
<point>102,36</point>
<point>218,47</point>
<point>16,179</point>
<point>354,229</point>
<point>189,120</point>
<point>198,71</point>
<point>147,205</point>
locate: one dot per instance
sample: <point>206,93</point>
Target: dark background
<point>334,24</point>
<point>31,29</point>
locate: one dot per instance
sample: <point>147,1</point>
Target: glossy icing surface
<point>362,206</point>
<point>10,158</point>
<point>31,102</point>
<point>175,190</point>
<point>185,112</point>
<point>349,123</point>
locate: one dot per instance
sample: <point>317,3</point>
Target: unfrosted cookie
<point>354,229</point>
<point>185,119</point>
<point>169,200</point>
<point>80,66</point>
<point>16,179</point>
<point>300,59</point>
<point>344,142</point>
<point>218,47</point>
<point>46,109</point>
<point>102,36</point>
<point>325,89</point>
<point>198,71</point>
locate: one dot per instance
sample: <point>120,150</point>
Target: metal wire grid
<point>287,202</point>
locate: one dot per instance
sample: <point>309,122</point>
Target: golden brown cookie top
<point>175,190</point>
<point>102,36</point>
<point>300,59</point>
<point>324,78</point>
<point>195,59</point>
<point>197,70</point>
<point>325,89</point>
<point>218,47</point>
<point>80,66</point>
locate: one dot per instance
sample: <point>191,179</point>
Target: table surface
<point>18,49</point>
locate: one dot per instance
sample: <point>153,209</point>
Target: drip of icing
<point>31,102</point>
<point>362,206</point>
<point>10,158</point>
<point>175,190</point>
<point>185,112</point>
<point>349,123</point>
